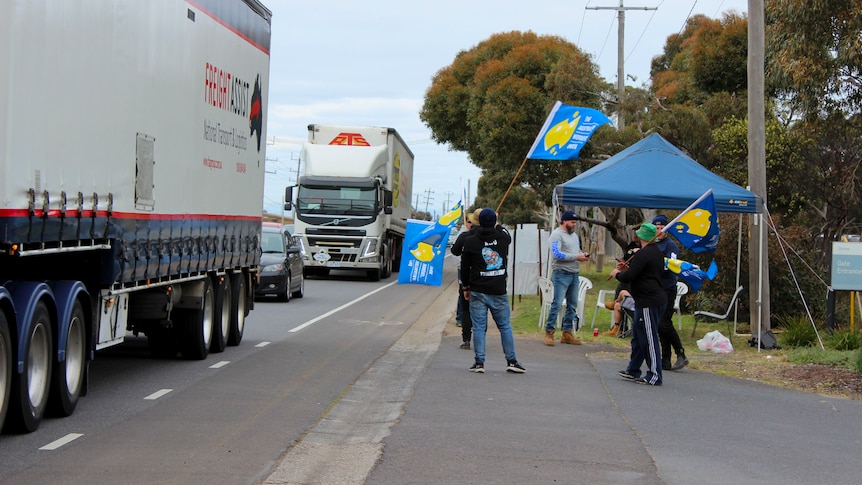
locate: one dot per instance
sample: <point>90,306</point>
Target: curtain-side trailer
<point>132,150</point>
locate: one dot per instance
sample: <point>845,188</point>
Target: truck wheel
<point>68,377</point>
<point>5,366</point>
<point>197,328</point>
<point>222,314</point>
<point>239,307</point>
<point>30,388</point>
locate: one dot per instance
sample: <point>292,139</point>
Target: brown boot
<point>614,331</point>
<point>549,338</point>
<point>569,338</point>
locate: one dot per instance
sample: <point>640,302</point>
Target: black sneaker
<point>515,367</point>
<point>626,375</point>
<point>465,345</point>
<point>681,361</point>
<point>478,368</point>
<point>643,380</point>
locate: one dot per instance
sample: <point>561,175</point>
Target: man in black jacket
<point>644,273</point>
<point>471,225</point>
<point>483,276</point>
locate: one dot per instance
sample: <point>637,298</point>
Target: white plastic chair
<point>681,289</point>
<point>600,304</point>
<point>584,284</point>
<point>546,286</point>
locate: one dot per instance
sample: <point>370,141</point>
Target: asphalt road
<point>229,418</point>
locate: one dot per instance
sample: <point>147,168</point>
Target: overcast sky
<point>369,63</point>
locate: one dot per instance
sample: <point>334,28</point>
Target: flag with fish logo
<point>422,255</point>
<point>697,227</point>
<point>565,132</point>
<point>690,273</point>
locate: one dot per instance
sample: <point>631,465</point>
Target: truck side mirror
<point>288,197</point>
<point>387,202</point>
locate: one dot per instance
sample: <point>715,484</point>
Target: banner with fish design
<point>566,130</point>
<point>425,247</point>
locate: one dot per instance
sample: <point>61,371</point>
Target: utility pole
<point>621,73</point>
<point>758,278</point>
<point>428,193</point>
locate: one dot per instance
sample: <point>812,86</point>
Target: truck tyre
<point>222,314</point>
<point>197,328</point>
<point>30,388</point>
<point>396,260</point>
<point>68,375</point>
<point>5,366</point>
<point>239,309</point>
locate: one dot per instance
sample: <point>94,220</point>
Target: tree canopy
<point>492,100</point>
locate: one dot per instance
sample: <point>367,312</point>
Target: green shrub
<point>859,360</point>
<point>843,340</point>
<point>798,332</point>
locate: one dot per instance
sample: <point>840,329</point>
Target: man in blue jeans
<point>566,256</point>
<point>483,280</point>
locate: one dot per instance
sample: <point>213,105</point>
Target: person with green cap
<point>644,273</point>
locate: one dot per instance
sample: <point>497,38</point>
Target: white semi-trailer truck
<point>132,149</point>
<point>353,199</point>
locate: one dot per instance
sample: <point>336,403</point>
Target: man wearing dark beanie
<point>483,279</point>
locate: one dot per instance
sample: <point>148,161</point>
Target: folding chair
<point>716,316</point>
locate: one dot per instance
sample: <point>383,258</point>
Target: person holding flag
<point>667,333</point>
<point>644,273</point>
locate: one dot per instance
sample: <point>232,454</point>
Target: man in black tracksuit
<point>644,273</point>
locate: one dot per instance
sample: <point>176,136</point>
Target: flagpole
<point>692,206</point>
<point>511,184</point>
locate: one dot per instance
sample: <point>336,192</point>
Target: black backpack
<point>767,340</point>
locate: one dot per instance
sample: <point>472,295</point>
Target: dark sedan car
<point>281,272</point>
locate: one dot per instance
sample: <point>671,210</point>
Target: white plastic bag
<point>715,342</point>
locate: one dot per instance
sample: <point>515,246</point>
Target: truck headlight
<point>370,250</point>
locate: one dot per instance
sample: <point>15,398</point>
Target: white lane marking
<point>342,307</point>
<point>62,441</point>
<point>263,344</point>
<point>157,394</point>
<point>219,365</point>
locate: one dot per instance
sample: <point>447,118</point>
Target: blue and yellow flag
<point>422,255</point>
<point>697,227</point>
<point>690,273</point>
<point>565,132</point>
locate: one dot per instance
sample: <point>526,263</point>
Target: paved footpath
<point>570,419</point>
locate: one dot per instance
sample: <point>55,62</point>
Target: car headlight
<point>273,268</point>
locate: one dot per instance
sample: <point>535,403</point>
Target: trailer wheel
<point>5,366</point>
<point>239,307</point>
<point>197,327</point>
<point>222,314</point>
<point>68,377</point>
<point>30,388</point>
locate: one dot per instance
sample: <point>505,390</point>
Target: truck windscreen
<point>341,200</point>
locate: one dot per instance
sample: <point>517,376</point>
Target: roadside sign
<point>847,266</point>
